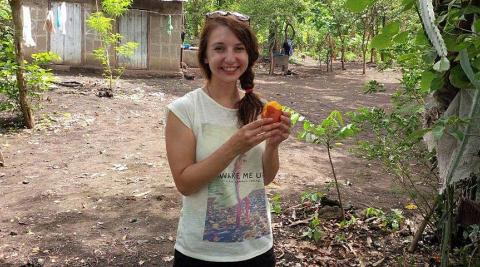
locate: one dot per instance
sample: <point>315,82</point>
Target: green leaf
<point>437,83</point>
<point>392,28</point>
<point>427,78</point>
<point>307,125</point>
<point>294,118</point>
<point>471,9</point>
<point>421,39</point>
<point>348,131</point>
<point>438,131</point>
<point>407,5</point>
<point>429,56</point>
<point>358,5</point>
<point>458,78</point>
<point>317,235</point>
<point>467,68</point>
<point>408,56</point>
<point>476,26</point>
<point>451,43</point>
<point>442,65</point>
<point>401,37</point>
<point>319,131</point>
<point>381,41</point>
<point>459,135</point>
<point>115,8</point>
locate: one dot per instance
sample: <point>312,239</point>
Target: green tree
<point>103,21</point>
<point>21,82</point>
<point>342,21</point>
<point>330,131</point>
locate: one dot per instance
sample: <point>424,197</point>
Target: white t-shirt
<point>229,219</point>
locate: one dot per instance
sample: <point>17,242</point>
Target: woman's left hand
<point>281,133</point>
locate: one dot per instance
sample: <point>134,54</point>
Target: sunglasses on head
<point>221,13</point>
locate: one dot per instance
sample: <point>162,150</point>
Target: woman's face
<point>226,55</point>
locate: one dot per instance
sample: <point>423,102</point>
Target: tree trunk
<point>327,60</point>
<point>319,60</point>
<point>422,226</point>
<point>343,57</point>
<point>332,56</point>
<point>365,39</point>
<point>374,33</point>
<point>364,65</point>
<point>336,182</point>
<point>15,5</point>
<point>382,54</point>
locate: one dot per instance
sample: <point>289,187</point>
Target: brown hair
<point>250,106</point>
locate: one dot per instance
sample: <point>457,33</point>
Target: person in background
<point>287,51</point>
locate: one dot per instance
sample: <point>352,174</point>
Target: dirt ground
<point>90,186</point>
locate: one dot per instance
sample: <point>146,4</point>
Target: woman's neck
<point>226,94</point>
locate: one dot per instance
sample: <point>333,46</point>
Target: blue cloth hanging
<point>57,17</point>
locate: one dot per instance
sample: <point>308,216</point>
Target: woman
<point>222,155</point>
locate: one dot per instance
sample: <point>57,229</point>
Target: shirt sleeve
<point>183,109</point>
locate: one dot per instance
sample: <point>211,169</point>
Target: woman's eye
<point>240,48</point>
<point>218,49</point>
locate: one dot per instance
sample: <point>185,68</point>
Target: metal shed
<point>146,23</point>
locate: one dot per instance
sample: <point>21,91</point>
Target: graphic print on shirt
<point>236,204</point>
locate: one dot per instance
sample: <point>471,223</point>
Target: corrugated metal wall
<point>133,26</point>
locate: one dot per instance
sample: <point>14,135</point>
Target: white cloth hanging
<point>27,27</point>
<point>63,18</point>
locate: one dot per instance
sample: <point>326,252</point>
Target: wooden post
<point>16,5</point>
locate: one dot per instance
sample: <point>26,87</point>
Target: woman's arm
<point>190,176</point>
<point>270,164</point>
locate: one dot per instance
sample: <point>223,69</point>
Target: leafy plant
<point>450,125</point>
<point>390,221</point>
<point>275,204</point>
<point>340,237</point>
<point>373,212</point>
<point>330,131</point>
<point>313,197</point>
<point>103,23</point>
<point>348,223</point>
<point>373,86</point>
<point>314,230</point>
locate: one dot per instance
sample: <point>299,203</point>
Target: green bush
<point>350,56</point>
<point>373,86</point>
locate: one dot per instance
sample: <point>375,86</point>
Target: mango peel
<point>272,110</point>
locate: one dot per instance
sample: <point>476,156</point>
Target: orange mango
<point>272,110</point>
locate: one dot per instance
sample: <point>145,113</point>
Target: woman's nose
<point>230,56</point>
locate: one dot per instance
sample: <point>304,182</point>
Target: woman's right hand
<point>253,134</point>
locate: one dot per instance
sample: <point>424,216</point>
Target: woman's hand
<point>281,132</point>
<point>253,134</point>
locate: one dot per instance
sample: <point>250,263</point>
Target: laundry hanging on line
<point>27,27</point>
<point>49,21</point>
<point>61,18</point>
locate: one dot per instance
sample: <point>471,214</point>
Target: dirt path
<point>91,185</point>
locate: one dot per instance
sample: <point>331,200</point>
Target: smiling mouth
<point>230,69</point>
